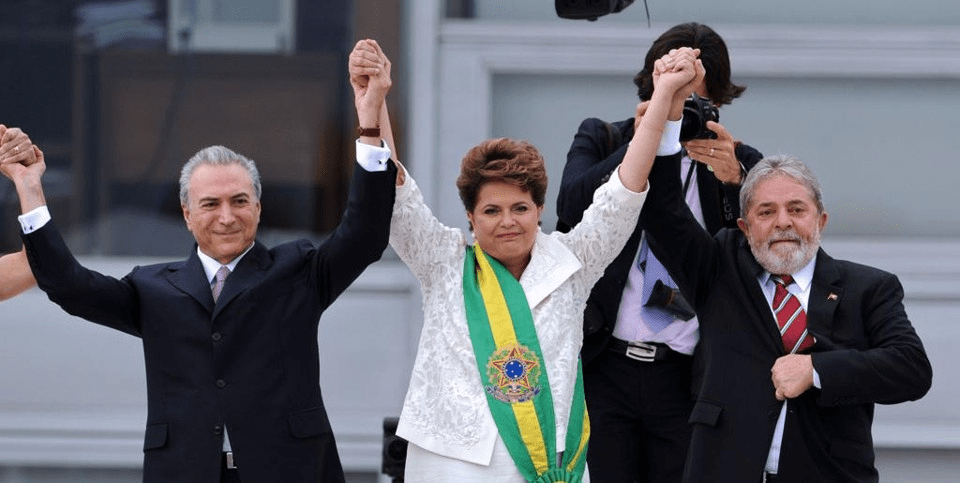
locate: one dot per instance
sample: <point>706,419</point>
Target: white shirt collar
<point>803,277</point>
<point>210,266</point>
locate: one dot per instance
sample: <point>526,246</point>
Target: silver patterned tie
<point>218,283</point>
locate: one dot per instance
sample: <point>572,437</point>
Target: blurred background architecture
<point>120,93</point>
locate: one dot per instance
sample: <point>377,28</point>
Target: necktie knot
<point>783,280</point>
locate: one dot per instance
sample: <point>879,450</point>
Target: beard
<point>785,259</point>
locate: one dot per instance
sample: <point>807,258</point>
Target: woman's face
<point>505,223</point>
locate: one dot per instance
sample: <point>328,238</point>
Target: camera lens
<point>696,112</point>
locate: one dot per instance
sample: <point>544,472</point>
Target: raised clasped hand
<point>678,69</point>
<point>17,153</point>
<point>369,72</point>
<point>641,109</point>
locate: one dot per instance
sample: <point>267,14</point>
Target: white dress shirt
<point>681,336</point>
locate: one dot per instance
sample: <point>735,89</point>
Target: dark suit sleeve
<point>748,157</point>
<point>362,235</point>
<point>688,252</point>
<point>893,367</point>
<point>78,290</point>
<point>684,247</point>
<point>595,152</point>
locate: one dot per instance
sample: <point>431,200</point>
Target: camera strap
<point>693,166</point>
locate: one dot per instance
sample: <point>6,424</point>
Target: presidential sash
<point>514,378</point>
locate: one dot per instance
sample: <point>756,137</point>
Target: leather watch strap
<point>373,132</point>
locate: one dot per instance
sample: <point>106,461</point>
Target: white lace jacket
<point>445,410</point>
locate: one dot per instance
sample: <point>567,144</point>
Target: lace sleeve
<point>607,224</point>
<point>418,237</point>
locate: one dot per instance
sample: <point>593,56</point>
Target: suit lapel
<point>191,279</point>
<point>825,295</point>
<point>246,274</point>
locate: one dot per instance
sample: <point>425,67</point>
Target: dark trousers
<point>639,412</point>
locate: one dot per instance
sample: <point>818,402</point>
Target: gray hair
<point>217,156</point>
<point>780,165</point>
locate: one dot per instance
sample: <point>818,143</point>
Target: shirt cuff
<point>373,158</point>
<point>816,379</point>
<point>670,140</point>
<point>34,219</point>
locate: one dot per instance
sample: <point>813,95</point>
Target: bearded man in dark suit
<point>799,346</point>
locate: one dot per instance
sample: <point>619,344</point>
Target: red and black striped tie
<point>790,317</point>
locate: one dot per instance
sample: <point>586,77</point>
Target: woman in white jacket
<point>496,389</point>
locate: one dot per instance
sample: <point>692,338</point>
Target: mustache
<point>784,235</point>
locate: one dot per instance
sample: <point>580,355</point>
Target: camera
<point>669,299</point>
<point>696,112</point>
<point>588,9</point>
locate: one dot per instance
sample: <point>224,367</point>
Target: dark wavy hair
<point>713,54</point>
<point>512,161</point>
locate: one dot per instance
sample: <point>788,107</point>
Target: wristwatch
<point>373,132</point>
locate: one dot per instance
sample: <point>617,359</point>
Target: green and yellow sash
<point>514,378</point>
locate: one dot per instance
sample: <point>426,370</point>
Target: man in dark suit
<point>801,345</point>
<point>639,373</point>
<point>230,333</point>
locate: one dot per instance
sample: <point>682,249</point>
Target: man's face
<point>783,225</point>
<point>505,223</point>
<point>223,211</point>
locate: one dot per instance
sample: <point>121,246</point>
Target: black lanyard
<point>686,182</point>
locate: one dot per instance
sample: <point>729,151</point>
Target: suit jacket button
<point>221,383</point>
<point>216,336</point>
<point>218,430</point>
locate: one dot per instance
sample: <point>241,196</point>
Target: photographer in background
<point>640,365</point>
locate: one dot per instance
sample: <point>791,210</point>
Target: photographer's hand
<point>641,108</point>
<point>719,154</point>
